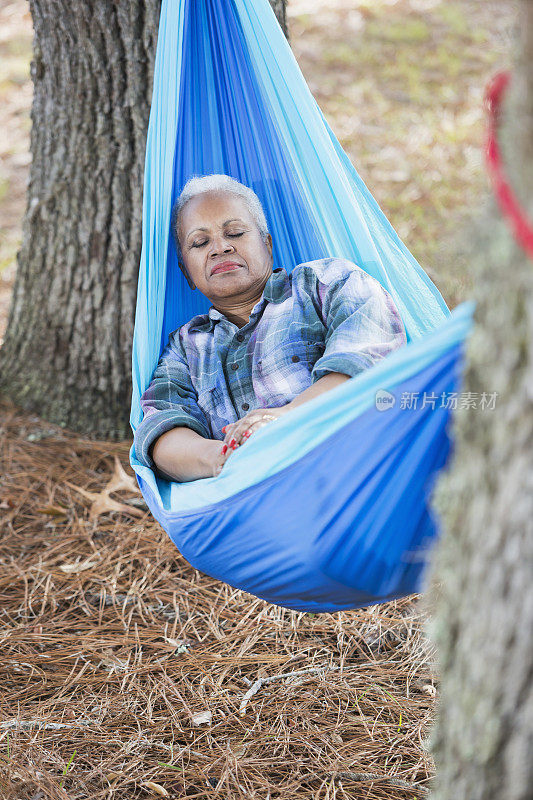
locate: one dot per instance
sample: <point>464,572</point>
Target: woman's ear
<point>268,242</point>
<point>189,281</point>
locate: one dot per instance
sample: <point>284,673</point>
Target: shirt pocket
<point>297,355</point>
<point>286,370</point>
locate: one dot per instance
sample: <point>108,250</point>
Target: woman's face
<point>222,248</point>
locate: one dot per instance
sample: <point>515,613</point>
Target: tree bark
<point>67,351</point>
<point>482,576</point>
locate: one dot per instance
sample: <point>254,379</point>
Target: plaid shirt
<point>326,316</point>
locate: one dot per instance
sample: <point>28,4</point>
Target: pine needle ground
<point>126,673</point>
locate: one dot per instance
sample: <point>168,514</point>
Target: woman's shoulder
<point>325,270</point>
<point>180,338</point>
<point>198,322</point>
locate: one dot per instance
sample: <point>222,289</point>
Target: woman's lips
<point>225,267</point>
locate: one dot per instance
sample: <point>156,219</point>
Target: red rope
<point>507,200</point>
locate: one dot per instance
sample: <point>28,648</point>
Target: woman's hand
<point>238,432</point>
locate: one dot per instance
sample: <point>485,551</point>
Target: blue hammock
<point>340,518</point>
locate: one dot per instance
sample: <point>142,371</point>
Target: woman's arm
<point>172,415</point>
<point>323,384</point>
<point>183,455</point>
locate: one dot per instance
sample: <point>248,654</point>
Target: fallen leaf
<point>202,718</point>
<point>103,504</point>
<point>181,643</point>
<point>80,566</point>
<point>121,480</point>
<point>156,787</point>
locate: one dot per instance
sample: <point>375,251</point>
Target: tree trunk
<point>482,576</point>
<point>67,351</point>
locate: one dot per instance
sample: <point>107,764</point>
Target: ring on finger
<point>258,423</point>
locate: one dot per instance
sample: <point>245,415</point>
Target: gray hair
<point>218,183</point>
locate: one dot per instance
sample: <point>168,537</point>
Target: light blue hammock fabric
<point>328,509</point>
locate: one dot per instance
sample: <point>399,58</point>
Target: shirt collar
<point>278,286</point>
<point>277,289</point>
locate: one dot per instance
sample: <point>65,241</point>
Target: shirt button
<point>295,358</point>
<point>245,406</point>
<point>240,337</point>
<point>235,366</point>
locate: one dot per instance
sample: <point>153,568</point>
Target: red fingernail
<point>224,449</point>
<point>232,442</point>
<point>247,434</point>
<point>224,428</point>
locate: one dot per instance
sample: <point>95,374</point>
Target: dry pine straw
<point>126,673</point>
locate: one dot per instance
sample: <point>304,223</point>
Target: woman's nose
<point>220,245</point>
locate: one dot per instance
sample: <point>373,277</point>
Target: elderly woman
<point>270,341</point>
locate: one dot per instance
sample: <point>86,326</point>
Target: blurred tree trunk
<point>482,576</point>
<point>67,351</point>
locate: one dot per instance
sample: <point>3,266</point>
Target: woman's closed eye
<point>229,235</point>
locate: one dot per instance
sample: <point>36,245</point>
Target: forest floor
<point>123,670</point>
